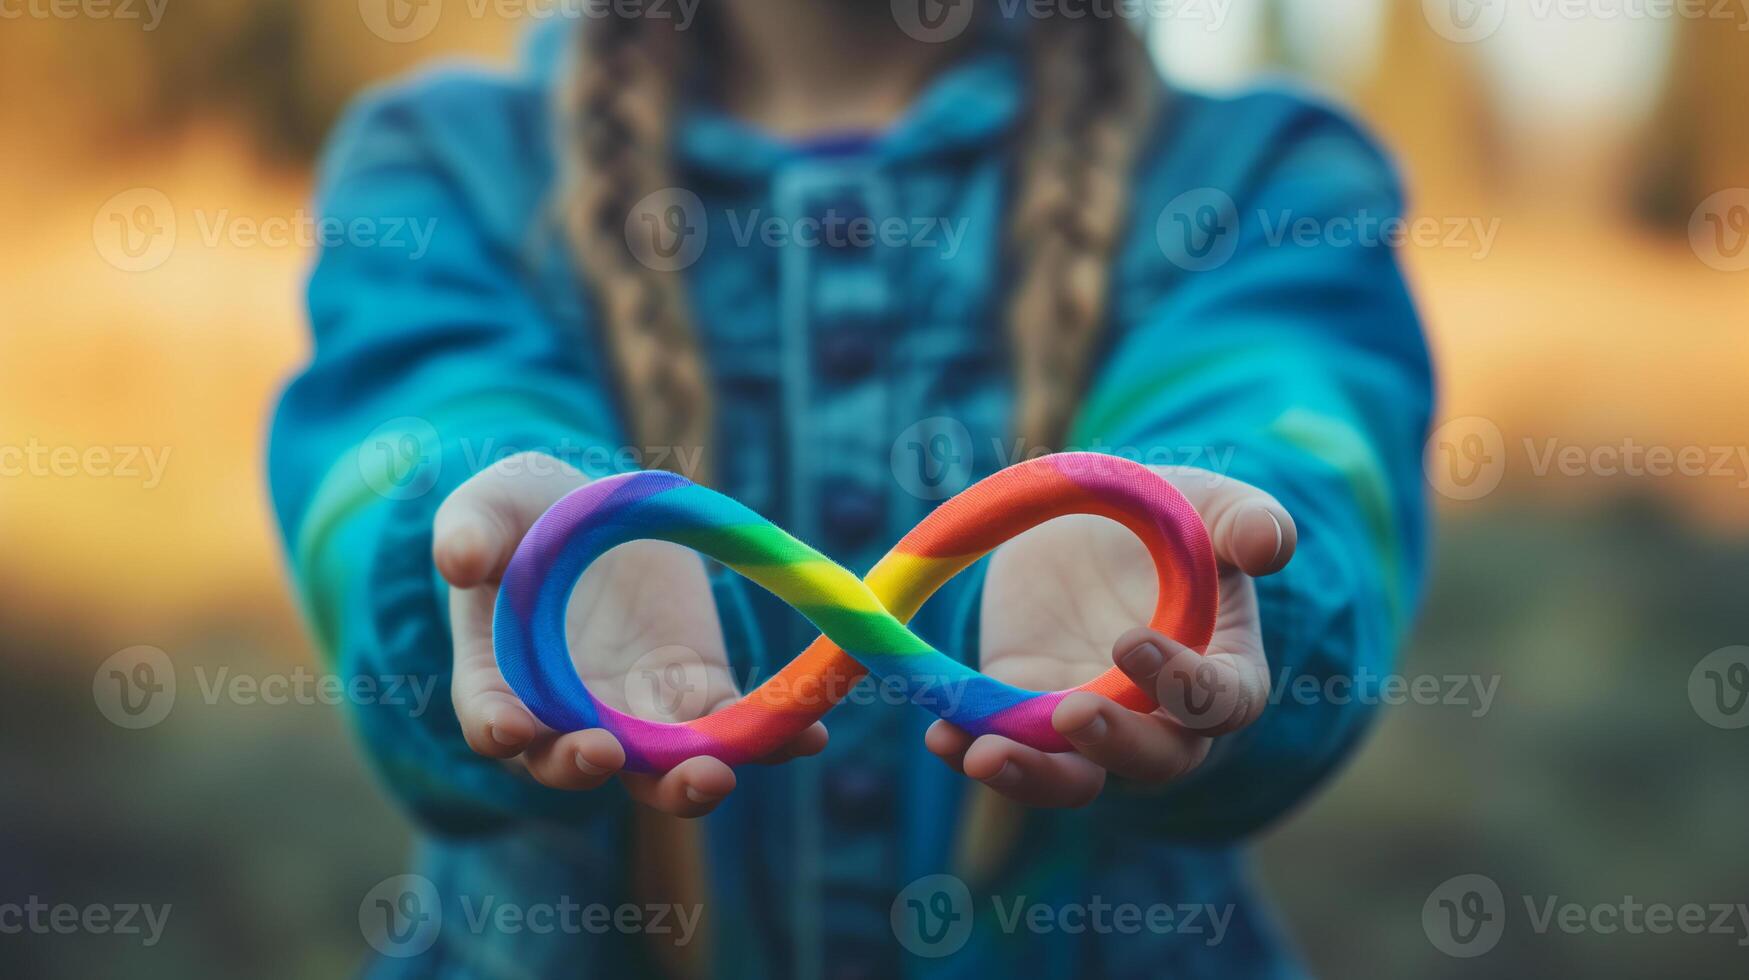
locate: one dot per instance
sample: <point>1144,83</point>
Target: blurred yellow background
<point>1607,153</point>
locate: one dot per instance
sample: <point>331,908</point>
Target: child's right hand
<point>644,610</point>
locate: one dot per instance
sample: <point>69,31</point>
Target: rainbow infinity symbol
<point>863,619</point>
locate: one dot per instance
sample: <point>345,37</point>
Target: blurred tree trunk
<point>1698,142</point>
<point>1425,98</point>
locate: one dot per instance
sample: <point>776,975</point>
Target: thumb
<point>478,527</point>
<point>1250,529</point>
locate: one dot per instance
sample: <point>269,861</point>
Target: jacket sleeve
<point>433,357</point>
<point>1285,352</point>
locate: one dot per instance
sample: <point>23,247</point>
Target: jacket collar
<point>972,103</point>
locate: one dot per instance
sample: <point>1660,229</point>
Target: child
<point>646,254</point>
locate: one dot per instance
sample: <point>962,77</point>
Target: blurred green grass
<point>1591,777</point>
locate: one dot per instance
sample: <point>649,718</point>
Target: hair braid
<point>1094,90</point>
<point>620,105</point>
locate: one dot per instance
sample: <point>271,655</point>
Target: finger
<point>478,527</point>
<point>1249,529</point>
<point>494,722</point>
<point>497,725</point>
<point>1026,775</point>
<point>949,743</point>
<point>575,761</point>
<point>1146,747</point>
<point>1206,694</point>
<point>468,542</point>
<point>810,741</point>
<point>691,789</point>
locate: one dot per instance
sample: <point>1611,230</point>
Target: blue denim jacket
<point>857,384</point>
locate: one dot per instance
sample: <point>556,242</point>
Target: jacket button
<point>845,224</point>
<point>847,354</point>
<point>853,513</point>
<point>858,798</point>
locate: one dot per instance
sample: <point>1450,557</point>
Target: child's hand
<point>1057,593</point>
<point>643,610</point>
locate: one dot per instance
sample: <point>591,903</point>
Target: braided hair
<point>1093,94</point>
<point>619,103</point>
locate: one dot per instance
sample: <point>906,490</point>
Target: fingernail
<point>1143,661</point>
<point>1250,517</point>
<point>503,737</point>
<point>1089,733</point>
<point>1006,776</point>
<point>587,768</point>
<point>693,794</point>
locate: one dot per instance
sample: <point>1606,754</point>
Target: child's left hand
<point>1056,593</point>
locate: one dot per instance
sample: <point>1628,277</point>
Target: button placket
<point>838,300</point>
